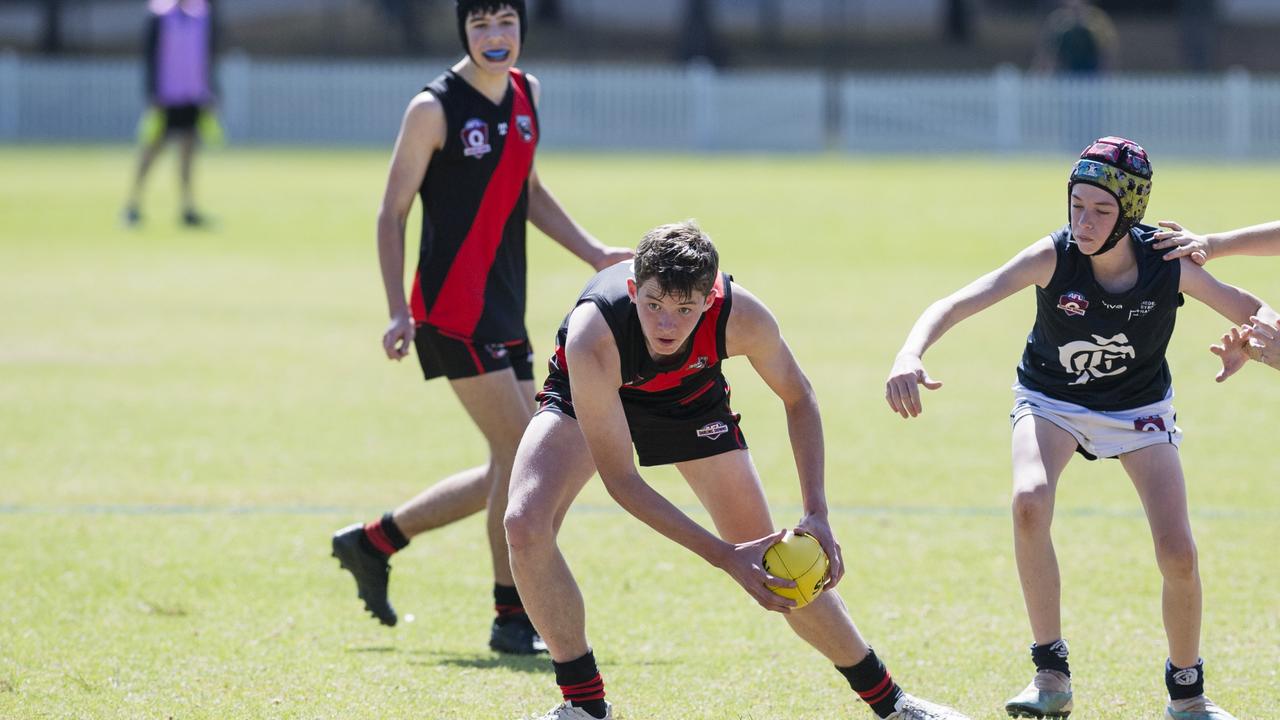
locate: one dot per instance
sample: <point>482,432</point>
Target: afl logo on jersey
<point>1073,303</point>
<point>524,124</point>
<point>475,138</point>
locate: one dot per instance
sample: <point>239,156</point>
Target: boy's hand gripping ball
<point>799,558</point>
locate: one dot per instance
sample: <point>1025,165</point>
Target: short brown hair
<point>681,257</point>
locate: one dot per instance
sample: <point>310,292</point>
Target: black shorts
<point>667,435</point>
<point>181,118</point>
<point>454,358</point>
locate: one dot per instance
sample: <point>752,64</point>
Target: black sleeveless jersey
<point>688,383</point>
<point>471,264</point>
<point>1097,349</point>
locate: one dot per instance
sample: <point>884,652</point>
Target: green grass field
<point>186,416</point>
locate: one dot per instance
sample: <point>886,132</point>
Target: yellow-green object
<point>799,558</point>
<point>150,126</point>
<point>210,129</point>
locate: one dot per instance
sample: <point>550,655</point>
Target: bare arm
<point>1261,239</point>
<point>1032,266</point>
<point>421,134</point>
<point>594,380</point>
<point>1235,304</point>
<point>753,331</point>
<point>546,214</point>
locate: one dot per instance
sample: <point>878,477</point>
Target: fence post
<point>702,82</point>
<point>10,95</point>
<point>1008,99</point>
<point>1239,123</point>
<point>237,76</point>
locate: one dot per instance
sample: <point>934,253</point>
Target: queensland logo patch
<point>1073,303</point>
<point>1103,357</point>
<point>1153,423</point>
<point>1188,676</point>
<point>713,430</point>
<point>524,124</point>
<point>475,138</point>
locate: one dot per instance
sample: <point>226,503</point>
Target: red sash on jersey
<point>460,303</point>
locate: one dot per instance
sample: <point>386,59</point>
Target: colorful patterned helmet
<point>1120,167</point>
<point>466,8</point>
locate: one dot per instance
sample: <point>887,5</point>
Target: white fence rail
<point>681,108</point>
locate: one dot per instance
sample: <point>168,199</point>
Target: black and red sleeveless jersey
<point>471,264</point>
<point>688,382</point>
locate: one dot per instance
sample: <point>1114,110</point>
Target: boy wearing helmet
<point>1093,379</point>
<point>466,146</point>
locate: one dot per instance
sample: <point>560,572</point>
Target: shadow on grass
<point>483,661</point>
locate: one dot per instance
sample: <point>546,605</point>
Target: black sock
<point>383,536</point>
<point>1184,683</point>
<point>580,684</point>
<point>506,603</point>
<point>1052,656</point>
<point>873,683</point>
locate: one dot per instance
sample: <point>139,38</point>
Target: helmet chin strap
<point>1122,229</point>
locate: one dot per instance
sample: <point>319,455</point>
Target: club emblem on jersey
<point>1100,358</point>
<point>1153,423</point>
<point>497,351</point>
<point>524,123</point>
<point>713,430</point>
<point>475,138</point>
<point>1073,303</point>
<point>702,363</point>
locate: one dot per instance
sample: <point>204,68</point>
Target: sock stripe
<point>592,689</point>
<point>378,537</point>
<point>505,610</point>
<point>880,691</point>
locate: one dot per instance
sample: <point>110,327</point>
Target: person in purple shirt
<point>179,74</point>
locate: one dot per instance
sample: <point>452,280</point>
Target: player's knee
<point>1177,557</point>
<point>526,527</point>
<point>1032,509</point>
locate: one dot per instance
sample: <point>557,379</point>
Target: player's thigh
<point>1041,450</point>
<point>552,465</point>
<point>1156,472</point>
<point>499,405</point>
<point>729,487</point>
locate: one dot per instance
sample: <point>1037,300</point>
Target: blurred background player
<point>638,364</point>
<point>466,146</point>
<point>179,54</point>
<point>1094,380</point>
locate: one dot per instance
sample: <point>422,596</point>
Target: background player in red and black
<point>466,146</point>
<point>638,364</point>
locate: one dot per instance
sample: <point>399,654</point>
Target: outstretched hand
<point>902,390</point>
<point>1233,349</point>
<point>1264,339</point>
<point>1184,243</point>
<point>817,526</point>
<point>745,564</point>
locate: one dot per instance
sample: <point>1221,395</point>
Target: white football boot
<point>913,708</point>
<point>566,711</point>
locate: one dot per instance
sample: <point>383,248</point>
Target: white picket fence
<point>669,108</point>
